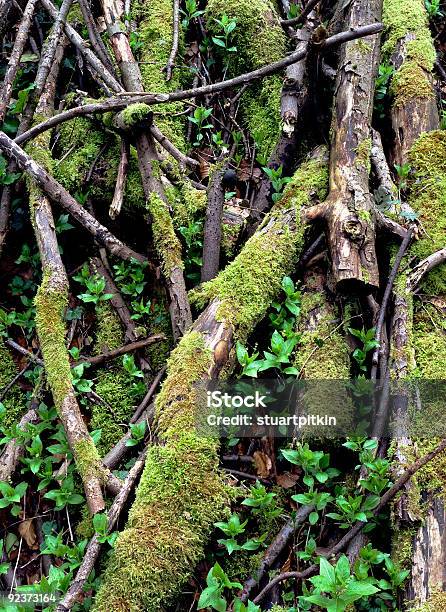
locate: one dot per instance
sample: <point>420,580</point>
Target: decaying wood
<point>122,350</point>
<point>13,451</point>
<point>126,98</point>
<point>425,266</point>
<point>179,303</point>
<point>60,195</point>
<point>351,227</point>
<point>14,59</point>
<point>121,178</point>
<point>212,226</point>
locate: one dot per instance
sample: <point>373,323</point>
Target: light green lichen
<point>180,496</point>
<point>408,18</point>
<point>435,603</point>
<point>260,40</point>
<point>167,245</point>
<point>263,263</point>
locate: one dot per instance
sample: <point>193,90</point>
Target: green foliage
<point>212,596</point>
<point>382,84</point>
<point>433,8</point>
<point>95,294</point>
<point>200,119</point>
<point>262,502</point>
<point>368,344</point>
<point>193,237</point>
<point>233,528</point>
<point>315,464</point>
<point>11,496</point>
<point>352,508</point>
<point>81,384</point>
<point>277,181</point>
<point>7,178</point>
<point>65,495</point>
<point>100,524</point>
<point>190,13</point>
<point>138,431</point>
<point>336,588</point>
<point>224,39</point>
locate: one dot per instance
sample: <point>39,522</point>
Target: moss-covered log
<point>410,50</point>
<point>182,493</point>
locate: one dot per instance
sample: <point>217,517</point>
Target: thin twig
<point>175,37</point>
<point>300,18</point>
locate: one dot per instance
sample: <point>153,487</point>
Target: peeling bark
<point>351,226</point>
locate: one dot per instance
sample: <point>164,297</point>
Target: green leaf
<point>313,518</point>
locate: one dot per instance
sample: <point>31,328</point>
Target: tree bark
<point>351,226</point>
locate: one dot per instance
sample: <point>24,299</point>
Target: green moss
<point>435,603</point>
<point>410,81</point>
<point>166,242</point>
<point>428,198</point>
<point>14,401</point>
<point>363,154</point>
<point>402,17</point>
<point>88,461</point>
<point>186,202</point>
<point>112,383</point>
<point>135,113</point>
<point>259,39</point>
<point>155,28</point>
<point>51,304</point>
<point>263,263</point>
<point>402,546</point>
<point>230,233</point>
<point>408,18</point>
<point>180,496</point>
<point>79,144</point>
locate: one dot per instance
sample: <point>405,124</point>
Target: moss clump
<point>51,303</point>
<point>84,142</point>
<point>435,603</point>
<point>428,198</point>
<point>14,401</point>
<point>155,28</point>
<point>186,202</point>
<point>262,263</point>
<point>259,39</point>
<point>135,113</point>
<point>180,496</point>
<point>402,546</point>
<point>88,461</point>
<point>112,383</point>
<point>166,242</point>
<point>363,154</point>
<point>402,19</point>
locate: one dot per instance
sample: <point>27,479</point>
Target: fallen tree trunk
<point>181,493</point>
<point>350,220</point>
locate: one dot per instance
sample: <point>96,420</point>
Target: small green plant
<point>233,528</point>
<point>294,11</point>
<point>138,431</point>
<point>262,502</point>
<point>227,25</point>
<point>335,588</point>
<point>369,342</point>
<point>138,387</point>
<point>239,606</point>
<point>7,178</point>
<point>352,508</point>
<point>433,8</point>
<point>65,495</point>
<point>402,172</point>
<point>385,73</point>
<point>4,567</point>
<point>12,496</point>
<point>81,384</point>
<point>135,42</point>
<point>200,120</point>
<point>140,309</point>
<point>212,596</point>
<point>95,285</point>
<point>193,237</point>
<point>315,464</point>
<point>100,524</point>
<point>278,182</point>
<point>190,13</point>
<point>130,277</point>
<point>62,224</point>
